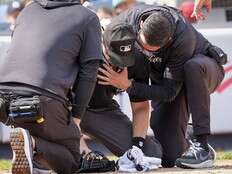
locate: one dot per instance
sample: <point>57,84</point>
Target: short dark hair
<point>157,29</point>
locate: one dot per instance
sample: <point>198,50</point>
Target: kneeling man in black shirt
<point>104,119</point>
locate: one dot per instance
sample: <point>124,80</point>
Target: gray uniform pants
<point>169,120</point>
<point>114,129</point>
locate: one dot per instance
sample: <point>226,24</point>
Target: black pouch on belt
<point>26,110</point>
<point>3,111</point>
<point>217,54</point>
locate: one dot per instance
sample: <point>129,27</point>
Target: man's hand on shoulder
<point>117,79</point>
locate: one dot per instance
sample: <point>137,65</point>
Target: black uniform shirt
<point>103,95</point>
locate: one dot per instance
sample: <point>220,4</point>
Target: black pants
<point>57,142</point>
<point>202,76</point>
<point>114,130</point>
<point>169,120</point>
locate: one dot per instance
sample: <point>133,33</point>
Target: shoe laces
<point>193,149</point>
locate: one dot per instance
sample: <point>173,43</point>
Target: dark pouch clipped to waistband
<point>26,110</point>
<point>218,54</point>
<point>3,112</point>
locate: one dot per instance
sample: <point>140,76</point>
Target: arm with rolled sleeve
<point>90,58</point>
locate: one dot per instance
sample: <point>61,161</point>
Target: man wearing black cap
<point>56,44</point>
<point>103,119</point>
<point>185,70</point>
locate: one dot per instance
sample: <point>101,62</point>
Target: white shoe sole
<point>41,171</point>
<point>215,153</point>
<point>22,161</point>
<point>205,164</point>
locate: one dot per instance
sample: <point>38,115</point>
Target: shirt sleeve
<point>165,91</point>
<point>84,87</point>
<point>140,74</point>
<point>91,44</point>
<point>90,58</point>
<point>182,50</point>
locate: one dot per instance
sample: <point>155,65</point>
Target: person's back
<point>47,46</point>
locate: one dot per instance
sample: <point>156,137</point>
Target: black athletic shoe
<point>21,145</point>
<point>197,157</point>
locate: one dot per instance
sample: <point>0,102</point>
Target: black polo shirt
<point>102,97</point>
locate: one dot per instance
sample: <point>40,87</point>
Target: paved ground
<point>222,167</point>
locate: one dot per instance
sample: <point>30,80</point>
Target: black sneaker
<point>197,157</point>
<point>21,145</point>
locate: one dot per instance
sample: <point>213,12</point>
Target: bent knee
<point>193,65</point>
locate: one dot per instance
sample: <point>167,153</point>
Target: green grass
<point>6,164</point>
<point>224,155</point>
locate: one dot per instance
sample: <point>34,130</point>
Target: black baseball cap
<point>119,39</point>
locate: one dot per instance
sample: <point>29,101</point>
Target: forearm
<point>200,3</point>
<point>84,88</point>
<point>166,91</point>
<point>140,118</point>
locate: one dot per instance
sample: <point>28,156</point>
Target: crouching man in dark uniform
<point>185,70</point>
<point>54,44</point>
<point>104,119</point>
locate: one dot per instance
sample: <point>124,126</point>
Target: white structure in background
<point>221,100</point>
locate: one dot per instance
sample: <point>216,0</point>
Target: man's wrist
<point>127,85</point>
<point>139,142</point>
<point>128,89</point>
